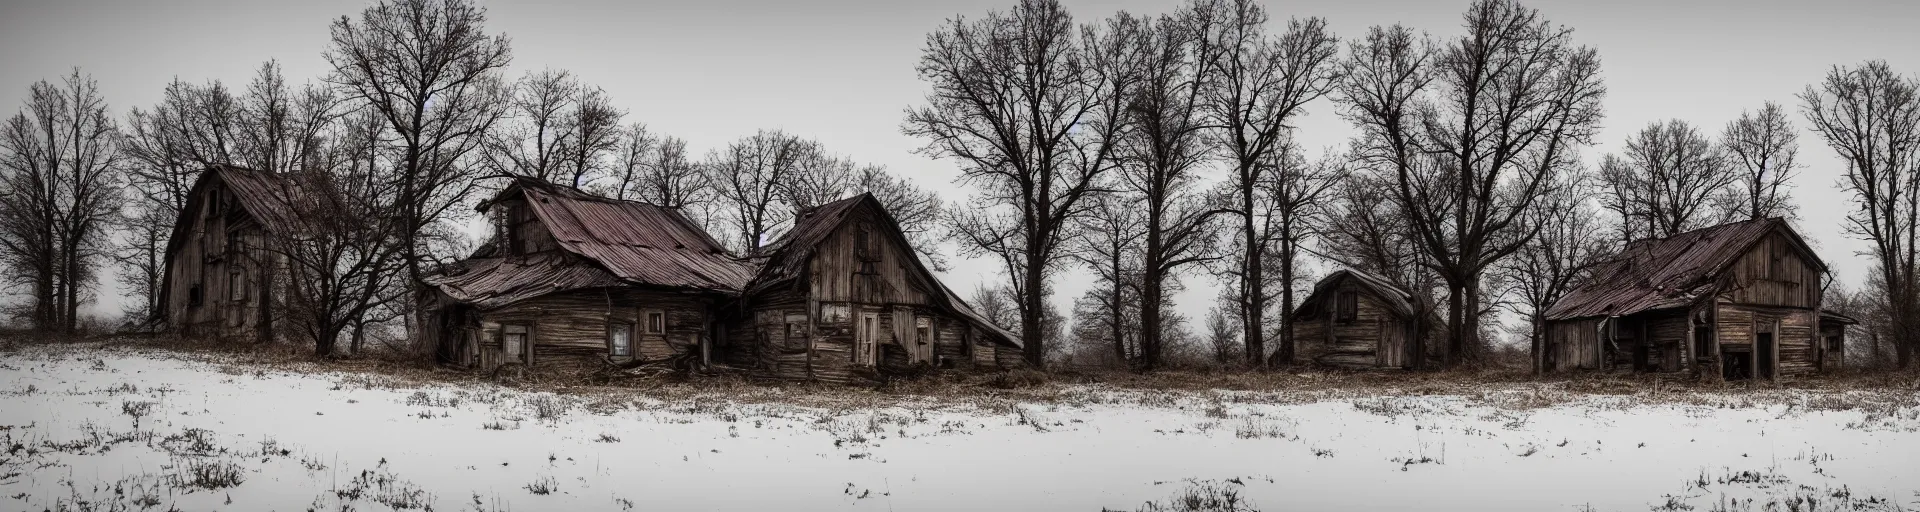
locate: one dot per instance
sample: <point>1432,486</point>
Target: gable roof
<point>265,196</point>
<point>636,242</point>
<point>1395,299</point>
<point>787,257</point>
<point>1670,272</point>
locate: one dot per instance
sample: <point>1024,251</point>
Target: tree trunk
<point>1033,309</point>
<point>1153,276</point>
<point>1456,323</point>
<point>1285,355</point>
<point>1252,285</point>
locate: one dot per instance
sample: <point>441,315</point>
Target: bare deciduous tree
<point>1669,179</point>
<point>749,178</point>
<point>558,130</point>
<point>1223,337</point>
<point>1262,83</point>
<point>1030,105</point>
<point>1558,256</point>
<point>1762,147</point>
<point>1163,153</point>
<point>58,188</point>
<point>342,261</point>
<point>1472,129</point>
<point>429,69</point>
<point>1109,245</point>
<point>1870,116</point>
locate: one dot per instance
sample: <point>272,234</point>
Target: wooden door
<point>866,337</point>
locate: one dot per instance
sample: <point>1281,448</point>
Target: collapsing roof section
<point>787,257</point>
<point>613,243</point>
<point>1673,272</point>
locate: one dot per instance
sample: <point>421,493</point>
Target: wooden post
<point>813,310</point>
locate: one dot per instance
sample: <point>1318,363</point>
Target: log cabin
<point>1357,320</point>
<point>1739,300</point>
<point>571,282</point>
<point>842,298</point>
<point>220,274</point>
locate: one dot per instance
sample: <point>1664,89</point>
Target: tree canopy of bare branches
<point>1669,179</point>
<point>1870,116</point>
<point>557,129</point>
<point>1557,258</point>
<point>1472,128</point>
<point>58,187</point>
<point>430,70</point>
<point>1030,105</point>
<point>1262,82</point>
<point>1763,147</point>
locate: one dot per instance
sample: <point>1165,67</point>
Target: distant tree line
<point>1141,151</point>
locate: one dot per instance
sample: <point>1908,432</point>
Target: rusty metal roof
<point>489,283</point>
<point>637,242</point>
<point>1671,272</point>
<point>787,257</point>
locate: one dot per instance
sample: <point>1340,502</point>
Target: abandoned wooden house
<point>1357,320</point>
<point>842,296</point>
<point>219,281</point>
<point>572,281</point>
<point>1741,300</point>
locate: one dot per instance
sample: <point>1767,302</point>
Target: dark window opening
<point>194,295</point>
<point>1348,308</point>
<point>1735,365</point>
<point>796,335</point>
<point>656,322</point>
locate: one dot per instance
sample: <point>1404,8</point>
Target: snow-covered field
<point>134,430</point>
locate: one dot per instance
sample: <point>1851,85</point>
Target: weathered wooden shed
<point>1741,300</point>
<point>1358,320</point>
<point>842,296</point>
<point>219,280</point>
<point>573,281</point>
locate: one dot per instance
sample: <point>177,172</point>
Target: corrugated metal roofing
<point>605,243</point>
<point>638,242</point>
<point>490,283</point>
<point>1672,272</point>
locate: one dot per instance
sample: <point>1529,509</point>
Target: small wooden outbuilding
<point>219,281</point>
<point>1358,320</point>
<point>842,297</point>
<point>1741,300</point>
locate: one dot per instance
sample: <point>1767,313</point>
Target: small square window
<point>194,296</point>
<point>656,322</point>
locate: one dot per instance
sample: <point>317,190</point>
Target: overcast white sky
<point>842,71</point>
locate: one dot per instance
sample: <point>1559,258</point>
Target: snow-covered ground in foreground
<point>141,430</point>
